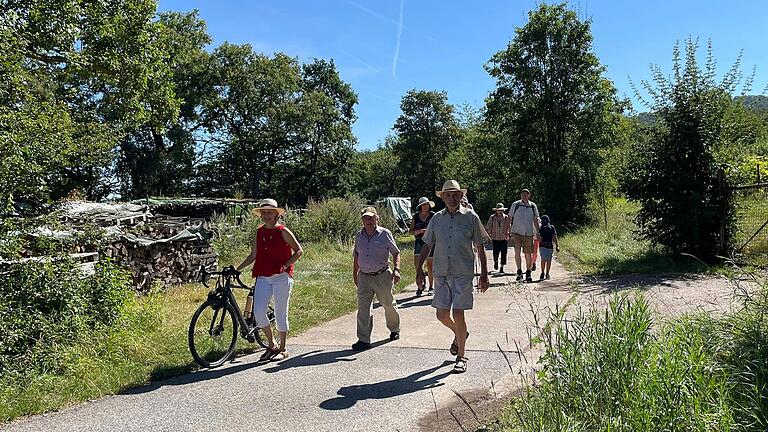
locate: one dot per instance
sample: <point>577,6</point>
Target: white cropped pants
<point>279,286</point>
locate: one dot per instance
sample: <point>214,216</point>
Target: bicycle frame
<point>223,294</point>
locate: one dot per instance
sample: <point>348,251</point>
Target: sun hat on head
<point>425,200</point>
<point>526,191</point>
<point>268,204</point>
<point>369,211</point>
<point>450,185</point>
<point>499,206</point>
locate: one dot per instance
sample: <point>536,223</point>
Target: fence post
<point>723,210</point>
<point>605,210</point>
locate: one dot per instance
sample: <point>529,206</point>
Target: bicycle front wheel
<point>213,333</point>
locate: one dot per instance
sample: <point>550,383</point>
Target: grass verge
<point>150,341</point>
<point>617,249</point>
<point>620,370</point>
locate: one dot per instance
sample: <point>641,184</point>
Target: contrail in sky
<point>359,60</point>
<point>371,13</point>
<point>397,48</point>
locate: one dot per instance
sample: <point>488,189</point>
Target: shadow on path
<point>617,283</point>
<point>316,358</point>
<point>193,377</point>
<point>425,301</point>
<point>350,395</point>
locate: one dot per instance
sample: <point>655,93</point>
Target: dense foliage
<point>552,110</point>
<point>426,131</point>
<point>115,98</point>
<point>682,165</point>
<point>45,306</point>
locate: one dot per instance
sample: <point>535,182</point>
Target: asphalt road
<point>325,386</point>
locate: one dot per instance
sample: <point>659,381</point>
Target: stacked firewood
<point>167,263</point>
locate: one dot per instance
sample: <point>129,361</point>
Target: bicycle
<point>213,330</point>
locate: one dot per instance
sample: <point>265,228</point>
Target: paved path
<point>325,386</point>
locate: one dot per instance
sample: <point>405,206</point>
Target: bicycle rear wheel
<point>213,333</point>
<point>258,333</point>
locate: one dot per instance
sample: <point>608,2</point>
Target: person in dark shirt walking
<point>419,225</point>
<point>548,245</point>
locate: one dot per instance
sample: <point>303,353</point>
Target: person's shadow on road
<point>350,395</point>
<point>313,358</point>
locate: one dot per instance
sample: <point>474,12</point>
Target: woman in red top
<point>275,250</point>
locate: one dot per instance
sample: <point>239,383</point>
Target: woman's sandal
<point>461,365</point>
<point>455,345</point>
<point>268,354</point>
<point>279,355</point>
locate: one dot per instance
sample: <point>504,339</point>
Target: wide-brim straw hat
<point>450,185</point>
<point>425,200</point>
<point>268,204</point>
<point>499,206</point>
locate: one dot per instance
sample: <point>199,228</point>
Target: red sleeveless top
<point>272,252</point>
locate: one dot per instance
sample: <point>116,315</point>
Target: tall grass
<point>617,248</point>
<point>619,369</point>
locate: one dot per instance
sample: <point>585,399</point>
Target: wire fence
<point>751,237</point>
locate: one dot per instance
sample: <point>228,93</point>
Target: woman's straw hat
<point>268,204</point>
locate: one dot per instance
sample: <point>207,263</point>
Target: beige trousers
<point>381,286</point>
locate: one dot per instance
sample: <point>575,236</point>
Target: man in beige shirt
<point>452,233</point>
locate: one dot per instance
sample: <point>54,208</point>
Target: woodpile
<point>167,263</point>
<point>157,248</point>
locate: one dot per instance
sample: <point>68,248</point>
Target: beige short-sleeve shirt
<point>452,237</point>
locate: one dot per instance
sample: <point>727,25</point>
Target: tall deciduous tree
<point>426,132</point>
<point>84,73</point>
<point>374,174</point>
<point>282,129</point>
<point>552,110</point>
<point>158,159</point>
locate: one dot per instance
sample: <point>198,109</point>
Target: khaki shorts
<point>526,242</point>
<point>454,292</point>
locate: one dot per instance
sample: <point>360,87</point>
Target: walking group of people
<point>529,234</point>
<point>451,242</point>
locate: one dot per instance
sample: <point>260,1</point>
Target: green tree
<point>374,174</point>
<point>280,129</point>
<point>476,163</point>
<point>426,131</point>
<point>325,142</point>
<point>552,110</point>
<point>157,159</point>
<point>84,74</point>
<point>681,166</point>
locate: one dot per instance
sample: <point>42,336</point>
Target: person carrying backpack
<point>524,215</point>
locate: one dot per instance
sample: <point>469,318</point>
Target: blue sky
<point>385,48</point>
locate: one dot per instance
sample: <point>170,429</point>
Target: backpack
<point>514,210</point>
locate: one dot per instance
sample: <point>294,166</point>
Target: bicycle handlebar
<point>227,272</point>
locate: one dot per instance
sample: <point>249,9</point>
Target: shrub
<point>618,370</point>
<point>333,220</point>
<point>682,166</point>
<point>44,305</point>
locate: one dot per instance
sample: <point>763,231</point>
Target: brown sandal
<point>268,354</point>
<point>455,345</point>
